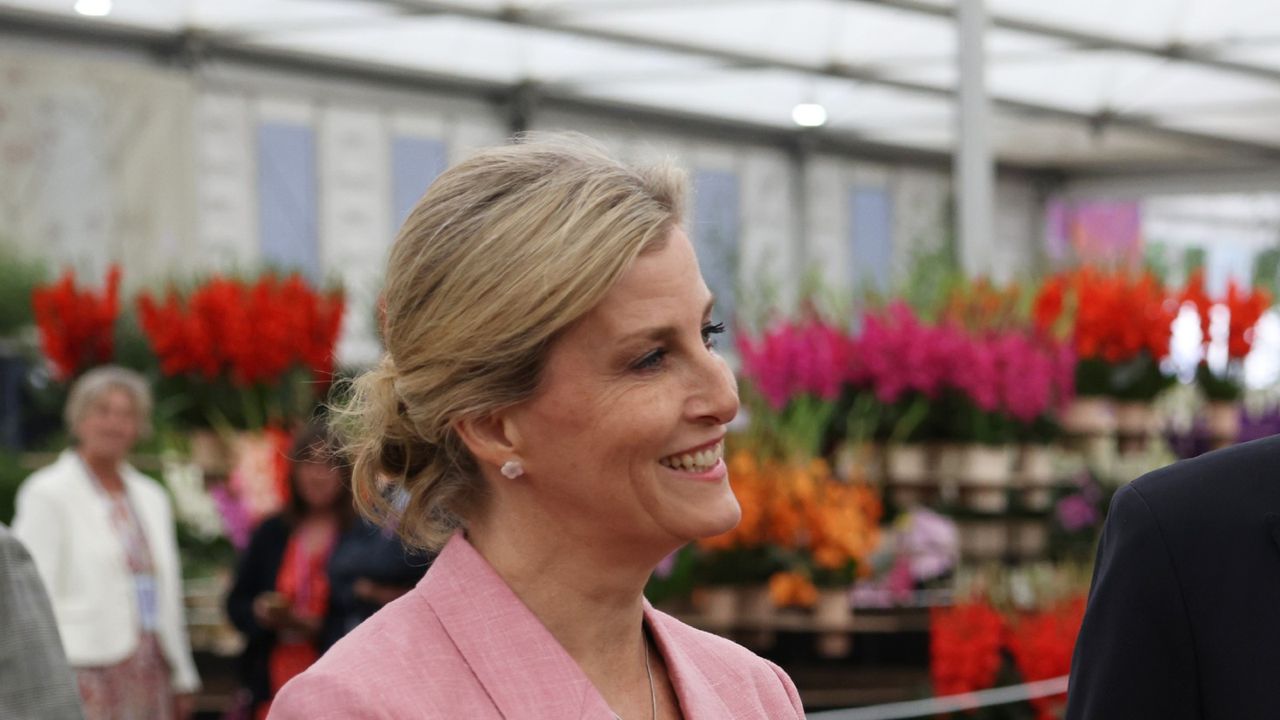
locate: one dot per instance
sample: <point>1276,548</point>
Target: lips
<point>696,460</point>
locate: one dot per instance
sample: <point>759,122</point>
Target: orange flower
<point>801,508</point>
<point>791,589</point>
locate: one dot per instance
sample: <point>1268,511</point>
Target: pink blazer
<point>462,646</point>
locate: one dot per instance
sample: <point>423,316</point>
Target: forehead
<point>659,281</point>
<point>111,395</point>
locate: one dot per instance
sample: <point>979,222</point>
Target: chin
<point>721,518</point>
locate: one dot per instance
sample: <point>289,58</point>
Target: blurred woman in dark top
<point>312,572</point>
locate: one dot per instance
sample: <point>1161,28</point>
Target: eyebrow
<point>666,332</point>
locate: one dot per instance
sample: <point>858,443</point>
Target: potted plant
<point>1223,386</point>
<point>241,361</point>
<point>899,360</point>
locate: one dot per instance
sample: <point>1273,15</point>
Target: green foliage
<point>841,577</point>
<point>1219,388</point>
<point>961,420</point>
<point>19,275</point>
<point>1042,431</point>
<point>739,566</point>
<point>202,557</point>
<point>11,476</point>
<point>1193,259</point>
<point>1139,379</point>
<point>933,277</point>
<point>1266,271</point>
<point>1093,377</point>
<point>797,430</point>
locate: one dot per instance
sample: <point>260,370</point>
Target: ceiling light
<point>94,8</point>
<point>809,115</point>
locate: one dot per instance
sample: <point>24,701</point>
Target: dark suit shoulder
<point>1230,480</point>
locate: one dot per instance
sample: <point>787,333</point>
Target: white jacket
<point>66,526</point>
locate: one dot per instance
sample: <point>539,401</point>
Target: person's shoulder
<point>1227,477</point>
<point>324,692</point>
<point>51,478</point>
<point>10,544</point>
<point>745,682</point>
<point>717,654</point>
<point>402,643</point>
<point>398,663</point>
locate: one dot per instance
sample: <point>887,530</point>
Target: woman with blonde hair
<point>553,408</point>
<point>102,537</point>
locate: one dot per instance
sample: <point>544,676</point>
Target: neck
<point>588,594</point>
<point>105,469</point>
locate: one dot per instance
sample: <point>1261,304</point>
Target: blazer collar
<point>523,668</point>
<point>698,698</point>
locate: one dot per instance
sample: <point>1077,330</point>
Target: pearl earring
<point>512,469</point>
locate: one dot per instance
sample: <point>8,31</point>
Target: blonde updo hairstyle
<point>504,252</point>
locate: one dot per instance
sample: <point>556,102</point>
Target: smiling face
<point>624,435</point>
<point>109,426</point>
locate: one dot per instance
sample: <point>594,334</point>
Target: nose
<point>714,400</point>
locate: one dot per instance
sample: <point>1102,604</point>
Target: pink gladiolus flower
<point>793,359</point>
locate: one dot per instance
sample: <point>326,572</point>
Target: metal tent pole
<point>974,168</point>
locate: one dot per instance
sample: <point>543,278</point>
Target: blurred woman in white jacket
<point>101,534</point>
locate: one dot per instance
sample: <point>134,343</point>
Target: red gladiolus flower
<point>1042,645</point>
<point>1119,317</point>
<point>77,326</point>
<point>251,333</point>
<point>964,647</point>
<point>1245,310</point>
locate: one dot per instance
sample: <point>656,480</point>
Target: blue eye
<point>709,331</point>
<point>651,360</point>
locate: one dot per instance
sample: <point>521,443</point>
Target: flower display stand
<point>908,470</point>
<point>1135,418</point>
<point>984,476</point>
<point>756,611</point>
<point>833,610</point>
<point>1036,477</point>
<point>718,605</point>
<point>1089,416</point>
<point>1223,420</point>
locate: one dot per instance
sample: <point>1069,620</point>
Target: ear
<point>492,440</point>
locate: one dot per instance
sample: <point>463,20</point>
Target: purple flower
<point>1075,513</point>
<point>235,517</point>
<point>930,541</point>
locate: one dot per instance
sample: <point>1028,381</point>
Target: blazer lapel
<point>522,667</point>
<point>698,697</point>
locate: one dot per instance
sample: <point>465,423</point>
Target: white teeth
<point>700,461</point>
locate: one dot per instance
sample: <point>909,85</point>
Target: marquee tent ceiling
<point>1088,84</point>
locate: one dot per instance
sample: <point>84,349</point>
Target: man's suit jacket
<point>35,681</point>
<point>462,645</point>
<point>67,527</point>
<point>1183,620</point>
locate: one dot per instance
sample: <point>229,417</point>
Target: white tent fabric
<point>1080,85</point>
